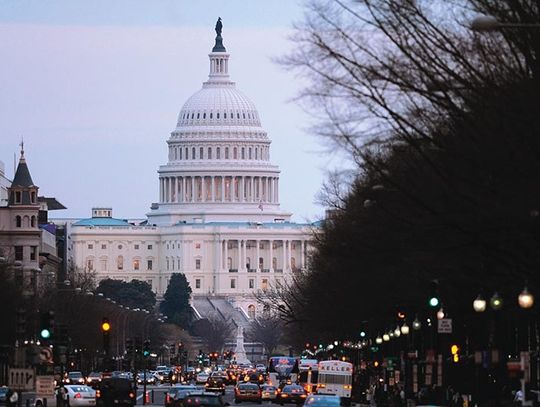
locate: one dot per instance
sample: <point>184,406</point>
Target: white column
<point>192,188</point>
<point>213,194</point>
<point>284,255</point>
<point>271,255</point>
<point>203,188</point>
<point>227,255</point>
<point>252,191</point>
<point>222,188</point>
<point>161,190</point>
<point>257,242</point>
<point>184,195</point>
<point>239,254</point>
<point>260,190</point>
<point>177,187</point>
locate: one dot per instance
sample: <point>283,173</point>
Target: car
<point>203,399</point>
<point>260,368</point>
<point>322,400</point>
<point>215,383</point>
<point>175,396</point>
<point>74,378</point>
<point>115,391</point>
<point>201,378</point>
<point>292,393</point>
<point>149,378</point>
<point>269,392</point>
<point>3,395</point>
<point>162,376</point>
<point>247,392</point>
<point>80,396</point>
<point>93,378</point>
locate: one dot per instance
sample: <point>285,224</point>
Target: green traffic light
<point>45,333</point>
<point>433,302</point>
<point>146,353</point>
<point>362,334</point>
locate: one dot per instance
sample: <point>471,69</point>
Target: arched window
<point>192,115</point>
<point>261,263</point>
<point>217,115</point>
<point>225,115</point>
<point>235,153</point>
<point>209,153</point>
<point>192,153</point>
<point>250,153</point>
<point>18,222</point>
<point>201,153</point>
<point>176,154</point>
<point>187,151</point>
<point>198,115</point>
<point>120,263</point>
<point>226,153</point>
<point>274,263</point>
<point>218,153</point>
<point>256,153</point>
<point>33,221</point>
<point>180,153</point>
<point>211,114</point>
<point>204,116</point>
<point>243,153</point>
<point>251,311</point>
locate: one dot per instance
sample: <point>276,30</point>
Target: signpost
<point>21,379</point>
<point>444,326</point>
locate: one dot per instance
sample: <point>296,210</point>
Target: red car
<point>247,392</point>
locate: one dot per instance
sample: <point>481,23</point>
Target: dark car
<point>247,392</point>
<point>292,393</point>
<point>204,399</point>
<point>175,396</point>
<point>215,383</point>
<point>115,391</point>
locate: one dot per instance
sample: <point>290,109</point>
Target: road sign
<point>444,326</point>
<point>21,379</point>
<point>45,386</point>
<point>46,355</point>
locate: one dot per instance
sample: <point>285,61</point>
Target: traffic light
<point>46,325</point>
<point>454,349</point>
<point>106,331</point>
<point>434,300</point>
<point>146,348</point>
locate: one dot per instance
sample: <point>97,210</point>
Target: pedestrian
<point>518,397</point>
<point>12,397</point>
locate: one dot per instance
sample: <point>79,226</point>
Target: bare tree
<point>268,330</point>
<point>214,332</point>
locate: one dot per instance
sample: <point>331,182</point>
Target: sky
<point>95,88</point>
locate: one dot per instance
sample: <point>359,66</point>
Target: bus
<point>335,377</point>
<point>282,368</point>
<point>308,374</point>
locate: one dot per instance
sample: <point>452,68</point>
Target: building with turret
<point>218,219</point>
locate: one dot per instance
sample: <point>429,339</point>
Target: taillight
<point>77,396</point>
<point>131,395</point>
<point>167,398</point>
<point>98,394</point>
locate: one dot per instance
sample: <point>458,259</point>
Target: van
<point>115,391</point>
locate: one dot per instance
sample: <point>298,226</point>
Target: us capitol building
<point>218,219</point>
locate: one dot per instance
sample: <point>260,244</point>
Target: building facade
<point>218,219</point>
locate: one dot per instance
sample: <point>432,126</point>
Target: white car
<point>80,396</point>
<point>201,378</point>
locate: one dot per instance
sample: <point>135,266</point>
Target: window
<point>251,311</point>
<point>256,153</point>
<point>103,246</point>
<point>226,153</point>
<point>136,264</point>
<point>248,262</point>
<point>264,284</point>
<point>120,263</point>
<point>120,247</point>
<point>261,263</point>
<point>204,115</point>
<point>197,245</point>
<point>149,247</point>
<point>274,263</point>
<point>167,246</point>
<point>17,196</point>
<point>197,283</point>
<point>103,264</point>
<point>18,253</point>
<point>172,264</point>
<point>198,115</point>
<point>192,153</point>
<point>201,153</point>
<point>251,283</point>
<point>235,153</point>
<point>293,263</point>
<point>197,264</point>
<point>18,221</point>
<point>218,153</point>
<point>180,153</point>
<point>211,114</point>
<point>178,263</point>
<point>209,153</point>
<point>167,263</point>
<point>148,264</point>
<point>90,265</point>
<point>33,197</point>
<point>136,247</point>
<point>33,221</point>
<point>33,253</point>
<point>233,282</point>
<point>243,153</point>
<point>249,153</point>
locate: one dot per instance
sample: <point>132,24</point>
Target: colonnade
<point>263,255</point>
<point>219,188</point>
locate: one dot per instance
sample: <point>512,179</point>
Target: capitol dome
<point>218,104</point>
<point>219,166</point>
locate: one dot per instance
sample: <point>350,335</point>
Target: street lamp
<point>479,304</point>
<point>490,23</point>
<point>397,332</point>
<point>440,313</point>
<point>386,337</point>
<point>496,302</point>
<point>405,329</point>
<point>378,340</point>
<point>417,325</point>
<point>525,299</point>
